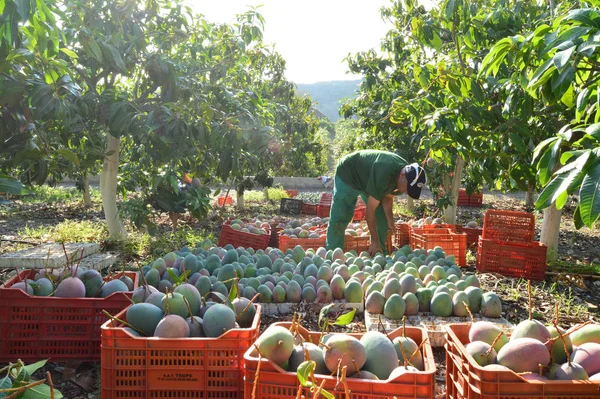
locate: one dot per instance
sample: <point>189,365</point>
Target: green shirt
<point>371,171</point>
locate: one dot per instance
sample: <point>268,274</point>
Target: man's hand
<point>391,228</point>
<point>374,248</point>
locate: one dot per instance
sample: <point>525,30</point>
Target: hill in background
<point>329,95</point>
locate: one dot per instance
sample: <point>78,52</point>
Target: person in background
<point>377,176</point>
<point>326,181</point>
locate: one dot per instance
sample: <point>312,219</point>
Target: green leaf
<point>69,155</point>
<point>561,58</point>
<point>69,52</point>
<point>172,274</point>
<point>586,16</point>
<point>305,371</point>
<point>327,395</point>
<point>233,292</point>
<point>594,130</point>
<point>548,162</point>
<point>583,99</point>
<point>324,312</point>
<point>23,9</point>
<point>577,218</point>
<point>91,47</point>
<point>534,81</point>
<point>5,383</point>
<point>518,142</point>
<point>345,319</point>
<point>589,195</point>
<point>540,147</point>
<point>183,277</point>
<point>449,9</point>
<point>32,368</point>
<point>40,392</point>
<point>561,200</point>
<point>12,186</point>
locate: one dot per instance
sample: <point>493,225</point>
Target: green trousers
<point>342,212</point>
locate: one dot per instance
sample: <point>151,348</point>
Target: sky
<point>313,36</point>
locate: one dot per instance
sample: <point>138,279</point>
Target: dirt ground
<point>578,295</point>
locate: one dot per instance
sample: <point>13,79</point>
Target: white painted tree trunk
<point>108,189</point>
<point>266,193</point>
<point>530,196</point>
<point>87,198</point>
<point>410,204</point>
<point>550,230</point>
<point>450,212</point>
<point>240,201</point>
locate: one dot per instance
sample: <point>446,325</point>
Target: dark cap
<point>415,179</point>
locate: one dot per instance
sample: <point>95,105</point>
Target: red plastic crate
<point>274,240</point>
<point>473,234</point>
<point>402,235</point>
<point>465,379</point>
<point>510,226</point>
<point>360,212</point>
<point>326,199</point>
<point>62,329</point>
<point>286,242</point>
<point>224,200</point>
<point>323,210</point>
<point>241,239</point>
<point>476,200</point>
<point>140,367</point>
<point>526,260</point>
<point>452,243</point>
<point>360,244</point>
<point>291,193</point>
<point>275,383</point>
<point>309,209</point>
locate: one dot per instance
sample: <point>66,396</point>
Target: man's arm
<point>372,204</point>
<point>388,202</point>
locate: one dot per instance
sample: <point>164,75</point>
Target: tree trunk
<point>550,230</point>
<point>87,198</point>
<point>450,211</point>
<point>410,204</point>
<point>108,189</point>
<point>266,193</point>
<point>240,201</point>
<point>530,196</point>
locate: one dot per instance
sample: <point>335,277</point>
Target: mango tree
<point>560,64</point>
<point>437,99</point>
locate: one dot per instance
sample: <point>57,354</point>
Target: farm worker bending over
<point>376,176</point>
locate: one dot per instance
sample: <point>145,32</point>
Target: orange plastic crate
<point>140,367</point>
<point>360,212</point>
<point>323,210</point>
<point>241,239</point>
<point>309,209</point>
<point>508,226</point>
<point>473,234</point>
<point>62,329</point>
<point>291,193</point>
<point>452,243</point>
<point>224,200</point>
<point>326,199</point>
<point>526,260</point>
<point>360,244</point>
<point>286,242</point>
<point>465,379</point>
<point>275,383</point>
<point>402,235</point>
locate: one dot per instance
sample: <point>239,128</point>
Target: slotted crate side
<point>140,367</point>
<point>62,329</point>
<point>402,235</point>
<point>224,200</point>
<point>473,234</point>
<point>326,199</point>
<point>276,383</point>
<point>292,193</point>
<point>452,243</point>
<point>241,239</point>
<point>465,379</point>
<point>309,209</point>
<point>510,226</point>
<point>360,244</point>
<point>512,259</point>
<point>286,242</point>
<point>323,211</point>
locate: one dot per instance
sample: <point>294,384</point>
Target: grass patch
<point>68,231</point>
<point>275,194</point>
<point>561,266</point>
<point>143,246</point>
<point>47,194</point>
